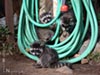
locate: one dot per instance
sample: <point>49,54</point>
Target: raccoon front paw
<point>70,65</point>
<point>37,65</point>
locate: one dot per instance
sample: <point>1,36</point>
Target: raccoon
<point>68,21</point>
<point>48,57</point>
<point>47,17</point>
<point>47,32</point>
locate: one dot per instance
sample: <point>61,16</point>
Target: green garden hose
<point>27,33</point>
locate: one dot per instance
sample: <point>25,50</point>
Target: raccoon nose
<point>47,38</point>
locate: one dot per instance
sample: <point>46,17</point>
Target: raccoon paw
<point>70,65</point>
<point>37,65</point>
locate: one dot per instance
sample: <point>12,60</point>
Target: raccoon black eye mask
<point>46,17</point>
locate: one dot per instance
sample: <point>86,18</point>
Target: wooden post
<point>9,18</point>
<point>49,5</point>
<point>55,3</point>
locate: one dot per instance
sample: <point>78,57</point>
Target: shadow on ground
<point>21,65</point>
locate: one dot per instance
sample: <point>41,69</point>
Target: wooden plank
<point>9,18</point>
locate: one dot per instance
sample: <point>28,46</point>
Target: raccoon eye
<point>72,23</point>
<point>37,53</point>
<point>64,25</point>
<point>71,19</point>
<point>49,15</point>
<point>46,21</point>
<point>32,51</point>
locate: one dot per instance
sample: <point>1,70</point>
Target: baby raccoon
<point>68,21</point>
<point>45,34</point>
<point>48,57</point>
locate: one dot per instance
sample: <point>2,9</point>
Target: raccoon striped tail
<point>61,64</point>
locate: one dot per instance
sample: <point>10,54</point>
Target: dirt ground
<point>21,65</point>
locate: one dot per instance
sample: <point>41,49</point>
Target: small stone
<point>84,61</point>
<point>97,48</point>
<point>66,70</point>
<point>76,55</point>
<point>84,46</point>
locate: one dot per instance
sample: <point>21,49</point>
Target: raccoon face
<point>36,48</point>
<point>67,20</point>
<point>48,58</point>
<point>36,51</point>
<point>46,17</point>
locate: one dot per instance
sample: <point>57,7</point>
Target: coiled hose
<point>27,33</point>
